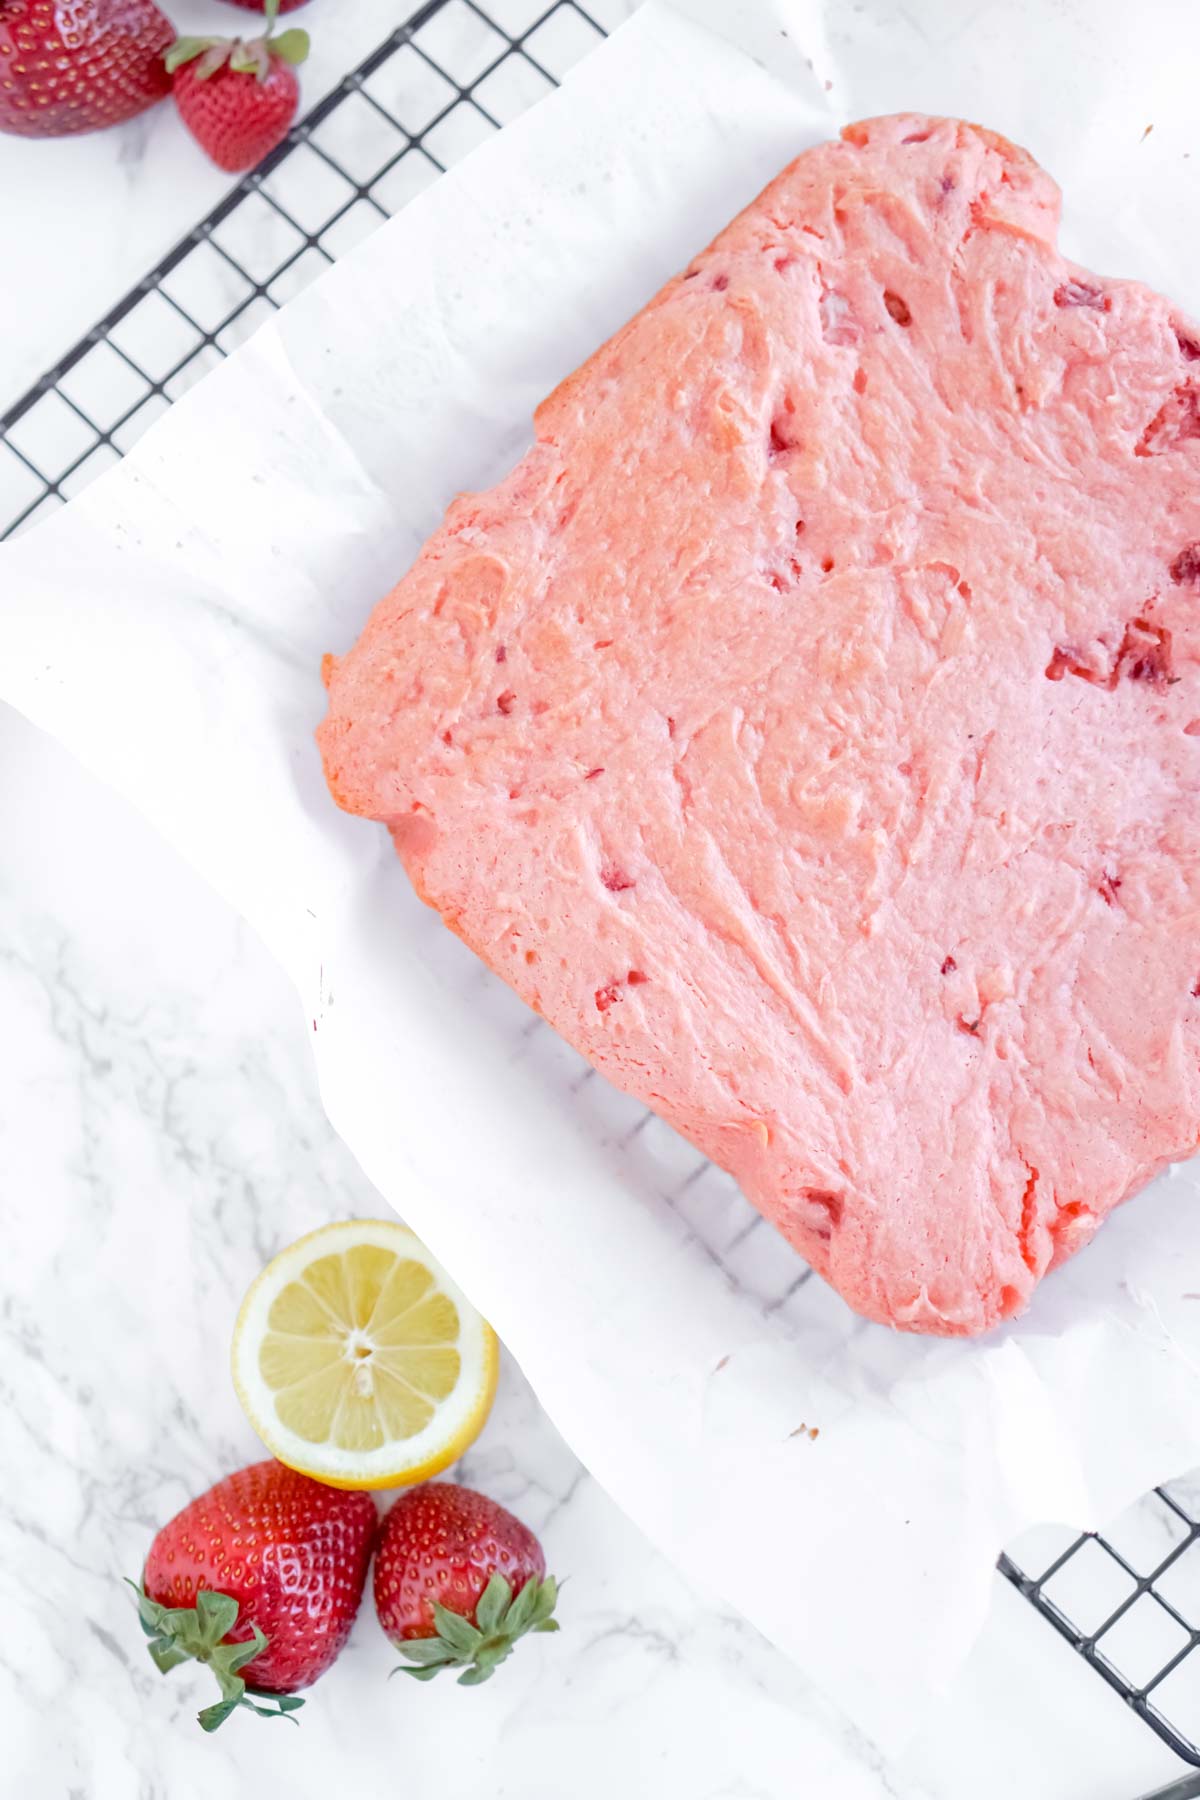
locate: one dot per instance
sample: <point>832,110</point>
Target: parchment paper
<point>168,627</point>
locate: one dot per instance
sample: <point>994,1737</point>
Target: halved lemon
<point>359,1362</point>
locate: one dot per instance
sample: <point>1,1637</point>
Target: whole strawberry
<point>238,98</point>
<point>78,65</point>
<point>260,1578</point>
<point>458,1580</point>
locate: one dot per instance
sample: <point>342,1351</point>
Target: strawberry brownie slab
<point>809,725</point>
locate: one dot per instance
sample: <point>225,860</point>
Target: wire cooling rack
<point>444,80</point>
<point>1128,1601</point>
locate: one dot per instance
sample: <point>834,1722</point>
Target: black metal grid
<point>1128,1602</point>
<point>449,76</point>
<point>256,249</point>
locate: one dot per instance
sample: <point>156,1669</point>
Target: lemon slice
<point>359,1362</point>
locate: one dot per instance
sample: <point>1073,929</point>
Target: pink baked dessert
<point>809,725</point>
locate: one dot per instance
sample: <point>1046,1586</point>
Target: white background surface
<point>160,1121</point>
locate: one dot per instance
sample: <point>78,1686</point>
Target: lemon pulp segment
<point>358,1360</point>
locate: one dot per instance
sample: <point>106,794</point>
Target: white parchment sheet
<point>168,627</point>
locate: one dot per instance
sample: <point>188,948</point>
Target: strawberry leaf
<point>251,59</point>
<point>211,1717</point>
<point>545,1600</point>
<point>217,1614</point>
<point>179,1633</point>
<point>426,1650</point>
<point>520,1613</point>
<point>291,45</point>
<point>284,1705</point>
<point>493,1604</point>
<point>214,59</point>
<point>187,49</point>
<point>456,1631</point>
<point>478,1650</point>
<point>166,1655</point>
<point>227,1659</point>
<point>240,1654</point>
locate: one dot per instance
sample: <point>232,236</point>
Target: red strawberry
<point>78,65</point>
<point>263,1573</point>
<point>458,1580</point>
<point>237,99</point>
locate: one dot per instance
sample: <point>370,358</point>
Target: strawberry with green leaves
<point>238,97</point>
<point>458,1580</point>
<point>260,1578</point>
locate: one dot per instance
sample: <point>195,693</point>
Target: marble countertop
<point>161,1136</point>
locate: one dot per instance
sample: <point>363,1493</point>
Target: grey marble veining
<point>161,1136</point>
